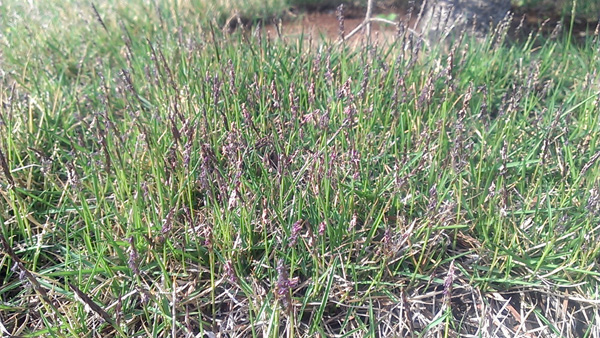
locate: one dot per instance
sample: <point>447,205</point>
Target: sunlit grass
<point>162,178</point>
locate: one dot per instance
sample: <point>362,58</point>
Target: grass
<point>160,178</point>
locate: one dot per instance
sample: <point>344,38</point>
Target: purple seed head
<point>340,18</point>
<point>328,71</point>
<point>208,237</point>
<point>230,272</point>
<point>296,228</point>
<point>232,85</point>
<point>132,262</point>
<point>448,283</point>
<point>311,92</point>
<point>284,285</point>
<point>345,91</point>
<point>275,95</point>
<point>322,228</point>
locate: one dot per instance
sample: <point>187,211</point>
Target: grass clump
<point>162,179</point>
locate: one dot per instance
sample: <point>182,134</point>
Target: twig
<point>26,273</point>
<point>362,25</point>
<point>368,19</point>
<point>367,22</point>
<point>90,305</point>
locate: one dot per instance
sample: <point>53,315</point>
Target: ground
<point>324,22</point>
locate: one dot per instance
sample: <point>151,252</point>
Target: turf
<point>162,178</point>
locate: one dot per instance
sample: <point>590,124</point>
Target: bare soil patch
<point>325,25</point>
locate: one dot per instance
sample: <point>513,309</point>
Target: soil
<point>324,24</point>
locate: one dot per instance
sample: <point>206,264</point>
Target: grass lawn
<point>160,178</point>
